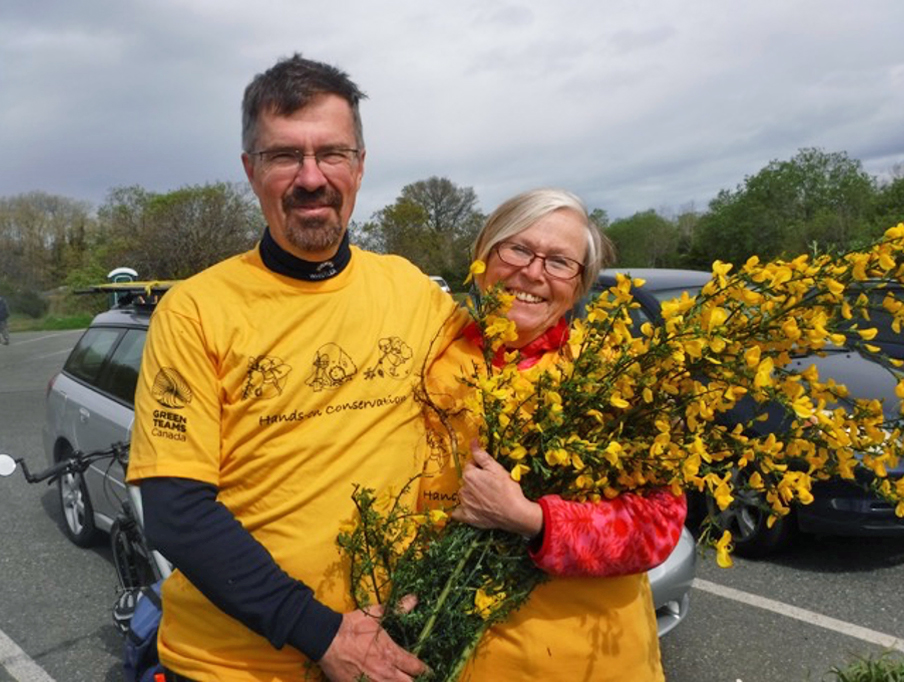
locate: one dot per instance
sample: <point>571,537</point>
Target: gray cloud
<point>634,105</point>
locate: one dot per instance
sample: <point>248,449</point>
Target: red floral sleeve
<point>631,533</point>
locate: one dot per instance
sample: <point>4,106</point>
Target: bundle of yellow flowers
<point>625,409</point>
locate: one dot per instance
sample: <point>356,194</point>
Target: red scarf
<point>552,339</point>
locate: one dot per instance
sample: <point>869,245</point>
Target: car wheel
<point>747,520</point>
<point>78,514</point>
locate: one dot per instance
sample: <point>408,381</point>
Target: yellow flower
<point>517,453</point>
<point>557,457</point>
<point>617,401</point>
<point>691,466</point>
<point>714,318</point>
<point>755,481</point>
<point>835,287</point>
<point>803,407</point>
<point>723,496</point>
<point>486,604</point>
<point>694,347</point>
<point>764,373</point>
<point>613,451</point>
<point>721,269</point>
<point>860,262</point>
<point>723,550</point>
<point>518,471</point>
<point>752,356</point>
<point>790,329</point>
<point>500,330</point>
<point>478,267</point>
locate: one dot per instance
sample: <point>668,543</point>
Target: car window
<point>87,358</point>
<point>663,295</point>
<point>120,376</point>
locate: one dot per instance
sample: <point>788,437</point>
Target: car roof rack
<point>142,296</point>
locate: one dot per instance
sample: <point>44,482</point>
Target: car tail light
<point>50,386</point>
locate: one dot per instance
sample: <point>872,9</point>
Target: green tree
<point>176,234</point>
<point>42,236</point>
<point>815,200</point>
<point>888,206</point>
<point>432,223</point>
<point>645,240</point>
<point>600,218</point>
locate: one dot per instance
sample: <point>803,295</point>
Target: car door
<point>100,408</point>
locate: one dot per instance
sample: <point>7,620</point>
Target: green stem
<point>447,588</point>
<point>465,656</point>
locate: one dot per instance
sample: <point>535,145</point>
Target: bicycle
<point>137,565</point>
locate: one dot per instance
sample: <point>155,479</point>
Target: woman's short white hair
<point>523,210</point>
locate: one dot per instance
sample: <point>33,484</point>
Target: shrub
<point>27,303</point>
<point>885,668</point>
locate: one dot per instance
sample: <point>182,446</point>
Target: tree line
<point>815,202</point>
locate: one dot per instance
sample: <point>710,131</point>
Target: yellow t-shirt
<point>600,629</point>
<point>283,394</point>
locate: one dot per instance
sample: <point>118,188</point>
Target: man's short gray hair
<point>291,84</point>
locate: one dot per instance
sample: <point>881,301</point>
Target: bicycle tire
<point>133,567</point>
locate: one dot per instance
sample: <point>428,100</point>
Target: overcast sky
<point>633,105</point>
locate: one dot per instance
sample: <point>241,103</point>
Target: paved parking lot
<point>792,618</point>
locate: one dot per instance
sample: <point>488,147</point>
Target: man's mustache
<point>302,198</point>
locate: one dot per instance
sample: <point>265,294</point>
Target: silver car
<point>90,404</point>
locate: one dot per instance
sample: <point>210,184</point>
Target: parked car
<point>90,404</point>
<point>441,283</point>
<point>840,507</point>
<point>671,582</point>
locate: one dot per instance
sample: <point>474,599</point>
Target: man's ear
<point>248,165</point>
<point>360,169</point>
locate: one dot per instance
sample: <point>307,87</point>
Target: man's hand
<point>362,647</point>
<point>489,498</point>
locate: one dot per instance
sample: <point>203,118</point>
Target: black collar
<point>284,263</point>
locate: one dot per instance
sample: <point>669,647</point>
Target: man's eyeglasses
<point>289,161</point>
<point>518,255</point>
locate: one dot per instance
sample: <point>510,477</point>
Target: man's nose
<point>309,175</point>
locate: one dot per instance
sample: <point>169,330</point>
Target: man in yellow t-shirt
<point>271,384</point>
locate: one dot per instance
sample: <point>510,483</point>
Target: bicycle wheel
<point>133,567</point>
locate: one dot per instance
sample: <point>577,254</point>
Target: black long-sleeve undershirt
<point>184,521</point>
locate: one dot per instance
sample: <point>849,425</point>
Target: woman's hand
<point>489,498</point>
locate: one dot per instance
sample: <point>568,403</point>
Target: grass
<point>18,323</point>
<point>885,668</point>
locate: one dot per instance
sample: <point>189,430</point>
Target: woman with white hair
<point>594,620</point>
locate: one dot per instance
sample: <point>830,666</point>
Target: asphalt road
<point>791,618</point>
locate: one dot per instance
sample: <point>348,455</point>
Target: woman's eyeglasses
<point>518,255</point>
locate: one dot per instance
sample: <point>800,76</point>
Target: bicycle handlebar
<point>77,462</point>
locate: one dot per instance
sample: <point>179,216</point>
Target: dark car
<point>840,507</point>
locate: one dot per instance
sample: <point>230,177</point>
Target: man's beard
<point>314,234</point>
